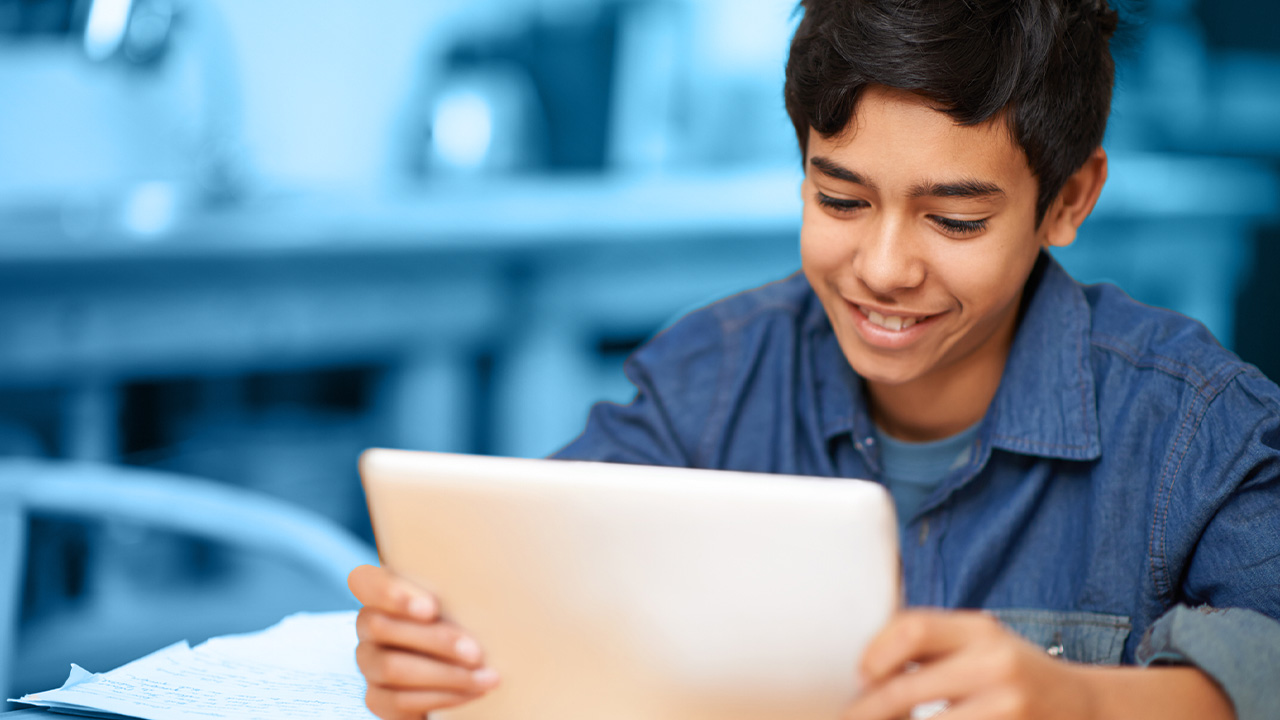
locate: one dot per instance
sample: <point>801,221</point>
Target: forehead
<point>898,134</point>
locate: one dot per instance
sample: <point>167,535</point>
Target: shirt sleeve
<point>1238,648</point>
<point>1224,516</point>
<point>677,378</point>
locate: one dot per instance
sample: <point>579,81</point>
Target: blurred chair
<point>238,517</point>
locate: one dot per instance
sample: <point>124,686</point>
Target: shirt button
<point>1056,649</point>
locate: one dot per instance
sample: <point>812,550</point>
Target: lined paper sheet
<point>302,667</point>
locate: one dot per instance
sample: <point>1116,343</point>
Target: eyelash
<point>959,227</point>
<point>951,225</point>
<point>840,204</point>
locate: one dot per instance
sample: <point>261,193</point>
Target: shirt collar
<point>842,405</point>
<point>1045,403</point>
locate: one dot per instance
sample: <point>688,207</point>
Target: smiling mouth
<point>896,323</point>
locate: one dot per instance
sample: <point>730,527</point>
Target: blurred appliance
<point>536,98</point>
<point>137,31</point>
<point>486,119</point>
<point>123,115</point>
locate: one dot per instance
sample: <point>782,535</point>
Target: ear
<point>1075,201</point>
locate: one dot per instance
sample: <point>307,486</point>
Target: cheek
<point>823,249</point>
<point>979,276</point>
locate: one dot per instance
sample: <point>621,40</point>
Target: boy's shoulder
<point>769,323</point>
<point>1152,339</point>
<point>789,301</point>
<point>1091,368</point>
<point>788,304</point>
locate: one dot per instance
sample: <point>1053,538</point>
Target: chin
<point>885,373</point>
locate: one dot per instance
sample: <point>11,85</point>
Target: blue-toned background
<point>242,240</point>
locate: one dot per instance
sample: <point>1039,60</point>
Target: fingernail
<point>485,677</point>
<point>468,649</point>
<point>423,608</point>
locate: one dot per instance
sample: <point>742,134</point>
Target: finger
<point>410,704</point>
<point>379,588</point>
<point>955,677</point>
<point>442,640</point>
<point>1005,704</point>
<point>399,670</point>
<point>920,636</point>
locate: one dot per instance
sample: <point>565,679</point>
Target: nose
<point>887,259</point>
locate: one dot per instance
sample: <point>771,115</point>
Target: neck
<point>950,398</point>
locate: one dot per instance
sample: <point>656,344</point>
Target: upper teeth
<point>890,322</point>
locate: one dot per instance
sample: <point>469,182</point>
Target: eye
<point>959,227</point>
<point>840,205</point>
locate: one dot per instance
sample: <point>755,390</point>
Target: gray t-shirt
<point>913,470</point>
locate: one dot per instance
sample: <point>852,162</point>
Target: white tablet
<point>627,592</point>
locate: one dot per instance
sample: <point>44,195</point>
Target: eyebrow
<point>839,172</point>
<point>968,188</point>
<point>960,189</point>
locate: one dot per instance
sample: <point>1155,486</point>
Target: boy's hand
<point>413,660</point>
<point>968,658</point>
<point>989,673</point>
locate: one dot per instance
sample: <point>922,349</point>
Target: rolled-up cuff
<point>1238,648</point>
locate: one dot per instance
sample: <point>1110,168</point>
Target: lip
<point>877,336</point>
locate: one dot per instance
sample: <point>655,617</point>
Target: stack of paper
<point>302,667</point>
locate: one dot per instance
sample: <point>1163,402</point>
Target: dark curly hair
<point>1045,63</point>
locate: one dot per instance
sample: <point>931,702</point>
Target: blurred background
<point>244,240</point>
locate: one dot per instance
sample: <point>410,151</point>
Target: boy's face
<point>918,236</point>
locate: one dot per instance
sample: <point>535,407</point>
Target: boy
<point>1080,467</point>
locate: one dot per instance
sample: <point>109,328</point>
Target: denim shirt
<point>1127,470</point>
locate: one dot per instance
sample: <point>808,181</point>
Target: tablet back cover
<point>626,592</point>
